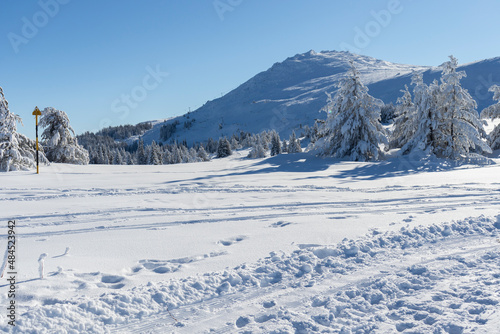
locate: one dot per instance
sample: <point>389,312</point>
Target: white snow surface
<point>289,244</point>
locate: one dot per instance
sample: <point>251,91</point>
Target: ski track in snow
<point>415,199</point>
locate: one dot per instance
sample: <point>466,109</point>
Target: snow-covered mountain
<point>290,94</point>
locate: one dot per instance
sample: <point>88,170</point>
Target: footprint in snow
<point>269,304</point>
<point>231,241</point>
<point>172,265</point>
<point>112,279</point>
<point>280,224</point>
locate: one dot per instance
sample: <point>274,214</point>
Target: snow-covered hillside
<point>290,94</point>
<point>289,244</point>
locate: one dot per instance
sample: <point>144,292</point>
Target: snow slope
<point>289,244</point>
<point>290,94</point>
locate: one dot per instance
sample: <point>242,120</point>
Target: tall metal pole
<point>37,113</point>
<point>37,158</point>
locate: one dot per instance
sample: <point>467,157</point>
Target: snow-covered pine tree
<point>275,144</point>
<point>493,112</point>
<point>141,157</point>
<point>284,147</point>
<point>154,154</point>
<point>294,144</point>
<point>314,133</point>
<point>166,156</point>
<point>184,153</point>
<point>223,148</point>
<point>405,122</point>
<point>193,157</point>
<point>17,152</point>
<point>59,139</point>
<point>202,154</point>
<point>425,101</point>
<point>257,151</point>
<point>176,156</point>
<point>460,129</point>
<point>352,129</point>
<point>235,145</point>
<point>117,157</point>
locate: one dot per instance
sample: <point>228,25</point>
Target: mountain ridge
<point>290,94</point>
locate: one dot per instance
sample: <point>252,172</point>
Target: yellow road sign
<point>37,112</point>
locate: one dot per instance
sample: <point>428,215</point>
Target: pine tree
<point>275,144</point>
<point>405,123</point>
<point>59,139</point>
<point>284,147</point>
<point>464,132</point>
<point>202,154</point>
<point>141,157</point>
<point>17,152</point>
<point>352,129</point>
<point>154,154</point>
<point>257,151</point>
<point>425,102</point>
<point>448,124</point>
<point>117,157</point>
<point>493,112</point>
<point>294,144</point>
<point>166,155</point>
<point>223,148</point>
<point>176,155</point>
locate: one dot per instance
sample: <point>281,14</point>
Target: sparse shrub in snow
<point>59,139</point>
<point>448,124</point>
<point>17,152</point>
<point>224,148</point>
<point>493,112</point>
<point>352,129</point>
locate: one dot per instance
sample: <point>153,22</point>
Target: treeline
<point>122,132</point>
<point>108,147</point>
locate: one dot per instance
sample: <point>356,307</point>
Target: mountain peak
<point>288,95</point>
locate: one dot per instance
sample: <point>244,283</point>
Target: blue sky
<point>123,61</point>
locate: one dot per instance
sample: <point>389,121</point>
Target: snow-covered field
<point>290,244</point>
